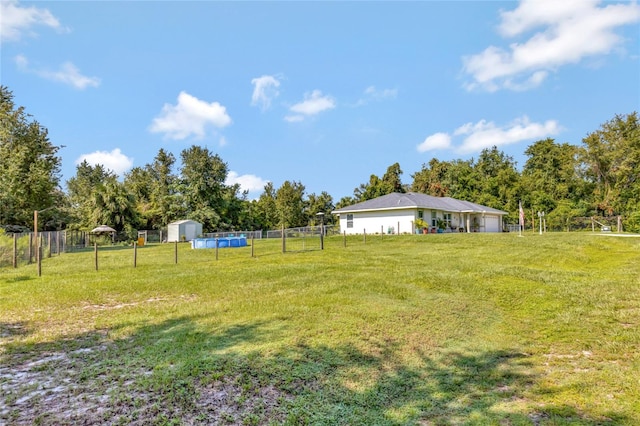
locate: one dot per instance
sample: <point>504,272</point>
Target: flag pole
<point>521,217</point>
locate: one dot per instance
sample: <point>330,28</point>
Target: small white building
<point>397,213</point>
<point>183,230</point>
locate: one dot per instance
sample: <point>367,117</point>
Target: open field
<point>406,330</point>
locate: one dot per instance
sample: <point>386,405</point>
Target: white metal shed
<point>183,230</point>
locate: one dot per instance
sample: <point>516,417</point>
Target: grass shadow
<point>183,371</point>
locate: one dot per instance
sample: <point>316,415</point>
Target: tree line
<point>598,177</point>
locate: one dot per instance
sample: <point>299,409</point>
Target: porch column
<point>468,222</point>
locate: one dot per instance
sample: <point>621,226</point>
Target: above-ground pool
<point>200,243</point>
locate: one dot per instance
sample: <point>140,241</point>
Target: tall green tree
<point>266,214</point>
<point>155,188</point>
<point>611,158</point>
<point>81,188</point>
<point>498,180</point>
<point>29,165</point>
<point>432,179</point>
<point>290,205</point>
<point>550,177</point>
<point>322,203</point>
<point>111,203</point>
<point>202,186</point>
<point>377,187</point>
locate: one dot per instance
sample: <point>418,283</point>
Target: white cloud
<point>378,94</point>
<point>114,160</point>
<point>313,103</point>
<point>16,20</point>
<point>293,118</point>
<point>485,134</point>
<point>190,116</point>
<point>265,89</point>
<point>68,74</point>
<point>435,141</point>
<point>251,183</point>
<point>568,32</point>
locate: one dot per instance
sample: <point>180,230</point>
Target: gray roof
<point>416,200</point>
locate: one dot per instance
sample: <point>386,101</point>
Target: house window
<point>446,217</point>
<point>434,219</point>
<point>349,221</point>
<point>420,214</point>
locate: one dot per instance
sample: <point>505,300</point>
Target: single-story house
<point>397,213</point>
<point>183,230</point>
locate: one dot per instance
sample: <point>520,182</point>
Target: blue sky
<point>325,93</point>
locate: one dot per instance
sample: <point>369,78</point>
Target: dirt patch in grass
<point>88,385</point>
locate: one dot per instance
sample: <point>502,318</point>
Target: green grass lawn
<point>417,329</point>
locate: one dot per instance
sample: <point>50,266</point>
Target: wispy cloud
<point>567,32</point>
<point>485,134</point>
<point>313,103</point>
<point>67,74</point>
<point>190,116</point>
<point>114,160</point>
<point>16,21</point>
<point>265,89</point>
<point>372,93</point>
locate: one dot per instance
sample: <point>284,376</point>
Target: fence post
<point>15,250</point>
<point>217,240</point>
<point>344,238</point>
<point>284,245</point>
<point>95,249</point>
<point>135,254</point>
<point>175,252</point>
<point>49,240</point>
<point>30,253</point>
<point>252,245</point>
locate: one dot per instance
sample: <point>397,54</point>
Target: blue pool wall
<point>201,243</point>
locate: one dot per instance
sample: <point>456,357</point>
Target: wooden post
<point>58,243</point>
<point>217,240</point>
<point>95,250</point>
<point>35,238</point>
<point>15,250</point>
<point>175,252</point>
<point>135,254</point>
<point>252,245</point>
<point>30,248</point>
<point>344,238</point>
<point>49,241</point>
<point>284,244</point>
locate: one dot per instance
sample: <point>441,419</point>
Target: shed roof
<point>398,200</point>
<point>180,222</point>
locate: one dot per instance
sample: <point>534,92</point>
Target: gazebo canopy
<point>102,229</point>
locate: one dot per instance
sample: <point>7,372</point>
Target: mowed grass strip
<point>414,329</point>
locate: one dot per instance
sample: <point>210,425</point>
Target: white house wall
<point>376,222</point>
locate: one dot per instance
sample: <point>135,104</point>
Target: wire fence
<point>20,249</point>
